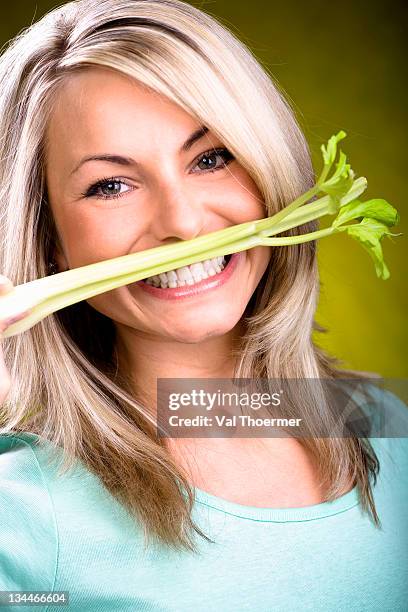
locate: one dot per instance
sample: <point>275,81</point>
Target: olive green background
<point>342,66</point>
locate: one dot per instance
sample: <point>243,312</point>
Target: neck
<point>144,357</point>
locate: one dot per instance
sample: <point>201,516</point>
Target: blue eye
<point>113,183</point>
<point>209,156</point>
<point>109,184</point>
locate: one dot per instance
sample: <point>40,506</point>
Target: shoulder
<point>28,534</point>
<point>388,415</point>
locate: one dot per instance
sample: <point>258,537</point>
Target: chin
<point>199,330</point>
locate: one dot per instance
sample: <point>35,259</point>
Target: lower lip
<point>206,285</point>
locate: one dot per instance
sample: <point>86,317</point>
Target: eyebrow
<point>128,161</point>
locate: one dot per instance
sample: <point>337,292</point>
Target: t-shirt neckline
<point>279,515</point>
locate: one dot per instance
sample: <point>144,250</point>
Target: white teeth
<point>172,276</point>
<point>188,275</point>
<point>207,265</point>
<point>198,272</point>
<point>172,279</point>
<point>184,274</point>
<point>163,279</point>
<point>217,264</point>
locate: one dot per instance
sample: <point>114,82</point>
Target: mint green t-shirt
<point>69,534</point>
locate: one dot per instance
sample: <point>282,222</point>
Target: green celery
<point>333,194</point>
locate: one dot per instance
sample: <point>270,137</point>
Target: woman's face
<point>167,193</point>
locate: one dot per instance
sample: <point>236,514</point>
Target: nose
<point>179,214</point>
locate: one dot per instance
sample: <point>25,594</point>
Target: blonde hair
<point>66,385</point>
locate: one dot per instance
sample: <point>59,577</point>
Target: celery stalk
<point>338,194</point>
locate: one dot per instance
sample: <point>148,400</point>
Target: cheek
<point>91,236</point>
<point>261,257</point>
<point>244,199</point>
<point>266,257</point>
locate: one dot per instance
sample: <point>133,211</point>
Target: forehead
<point>100,106</point>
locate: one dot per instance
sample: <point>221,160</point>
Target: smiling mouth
<point>189,275</point>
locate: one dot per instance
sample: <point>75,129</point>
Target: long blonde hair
<point>66,385</point>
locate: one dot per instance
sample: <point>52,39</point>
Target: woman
<point>191,136</point>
